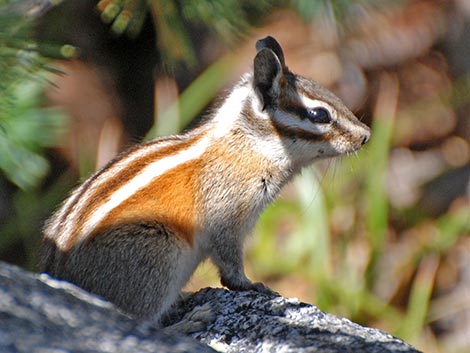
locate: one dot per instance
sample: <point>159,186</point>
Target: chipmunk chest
<point>237,186</point>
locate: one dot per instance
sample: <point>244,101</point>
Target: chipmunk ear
<point>267,73</point>
<point>271,43</point>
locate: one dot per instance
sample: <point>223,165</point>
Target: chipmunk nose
<point>366,137</point>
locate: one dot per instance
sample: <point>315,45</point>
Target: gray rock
<point>254,322</point>
<point>41,315</point>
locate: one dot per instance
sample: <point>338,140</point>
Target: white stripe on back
<point>55,231</point>
<point>140,181</point>
<point>222,123</point>
<point>229,112</point>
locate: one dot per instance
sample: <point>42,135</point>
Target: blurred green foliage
<point>25,130</point>
<point>25,127</point>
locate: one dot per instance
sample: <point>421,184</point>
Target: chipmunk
<point>135,231</point>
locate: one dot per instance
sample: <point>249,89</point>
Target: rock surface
<point>43,315</point>
<point>254,322</point>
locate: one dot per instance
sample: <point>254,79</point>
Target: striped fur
<point>178,200</point>
<point>129,189</point>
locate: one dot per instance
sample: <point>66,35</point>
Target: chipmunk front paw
<point>248,285</point>
<point>261,288</point>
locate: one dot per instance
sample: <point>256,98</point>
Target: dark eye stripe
<point>297,110</point>
<point>322,116</point>
<point>298,133</point>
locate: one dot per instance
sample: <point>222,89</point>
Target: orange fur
<point>123,176</point>
<point>168,200</point>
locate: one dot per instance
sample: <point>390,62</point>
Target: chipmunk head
<point>312,122</point>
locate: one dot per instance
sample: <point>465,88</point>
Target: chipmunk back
<point>135,231</point>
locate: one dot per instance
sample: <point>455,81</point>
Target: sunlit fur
<point>195,195</point>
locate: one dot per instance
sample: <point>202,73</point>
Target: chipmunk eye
<point>319,115</point>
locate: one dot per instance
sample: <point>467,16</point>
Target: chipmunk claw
<point>261,288</point>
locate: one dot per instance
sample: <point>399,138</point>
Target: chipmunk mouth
<point>347,146</point>
<point>357,139</point>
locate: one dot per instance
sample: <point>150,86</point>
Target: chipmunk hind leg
<point>135,266</point>
<point>47,257</point>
